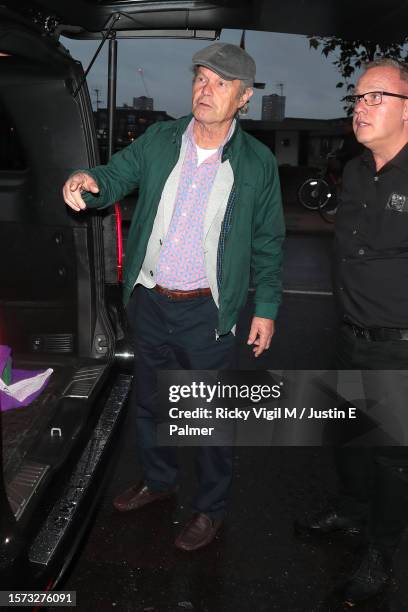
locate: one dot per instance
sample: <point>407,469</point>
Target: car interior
<point>57,272</point>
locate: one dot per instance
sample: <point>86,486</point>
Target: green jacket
<point>253,244</point>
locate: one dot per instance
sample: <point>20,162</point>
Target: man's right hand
<point>75,185</point>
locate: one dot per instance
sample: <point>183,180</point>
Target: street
<point>129,563</point>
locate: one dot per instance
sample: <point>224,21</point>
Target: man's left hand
<point>260,334</point>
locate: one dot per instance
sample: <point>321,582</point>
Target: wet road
<point>129,562</point>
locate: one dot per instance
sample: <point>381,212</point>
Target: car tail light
<point>119,241</point>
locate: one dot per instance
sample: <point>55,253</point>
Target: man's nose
<point>207,89</point>
<point>360,105</point>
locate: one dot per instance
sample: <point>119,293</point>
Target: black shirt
<point>371,242</point>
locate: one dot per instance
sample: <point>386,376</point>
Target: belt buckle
<point>361,332</point>
<point>358,332</point>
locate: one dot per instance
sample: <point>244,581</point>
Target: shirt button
<point>193,186</point>
<point>343,259</point>
<point>341,288</point>
<point>151,272</point>
<point>364,205</point>
<point>361,251</point>
<point>376,178</point>
<point>354,232</point>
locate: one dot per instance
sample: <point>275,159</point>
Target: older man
<point>371,248</point>
<point>209,212</point>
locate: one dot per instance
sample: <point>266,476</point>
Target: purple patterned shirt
<point>181,263</point>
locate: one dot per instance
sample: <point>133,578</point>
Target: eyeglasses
<point>372,98</point>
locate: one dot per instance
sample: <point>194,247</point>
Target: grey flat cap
<point>229,61</point>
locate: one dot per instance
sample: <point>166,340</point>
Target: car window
<point>11,152</point>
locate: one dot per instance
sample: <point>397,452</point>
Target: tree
<point>352,55</point>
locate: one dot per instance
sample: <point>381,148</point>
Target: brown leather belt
<point>178,294</point>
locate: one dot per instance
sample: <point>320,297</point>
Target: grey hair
<point>388,62</point>
<point>242,89</point>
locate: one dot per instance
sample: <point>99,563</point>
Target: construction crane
<point>281,86</point>
<point>140,71</point>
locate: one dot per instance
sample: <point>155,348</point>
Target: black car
<point>60,306</point>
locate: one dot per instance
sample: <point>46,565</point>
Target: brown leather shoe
<point>198,532</point>
<point>138,496</point>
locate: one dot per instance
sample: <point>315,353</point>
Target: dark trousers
<point>374,481</point>
<point>168,334</point>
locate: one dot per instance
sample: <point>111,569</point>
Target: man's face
<point>382,125</point>
<point>216,100</point>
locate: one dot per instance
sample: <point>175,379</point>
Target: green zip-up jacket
<point>252,246</point>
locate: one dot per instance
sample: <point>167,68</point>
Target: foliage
<point>352,55</point>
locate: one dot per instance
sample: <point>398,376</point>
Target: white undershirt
<point>203,154</point>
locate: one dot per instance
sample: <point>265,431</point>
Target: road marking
<point>305,292</point>
<point>301,292</point>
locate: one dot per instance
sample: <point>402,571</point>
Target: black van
<point>60,305</point>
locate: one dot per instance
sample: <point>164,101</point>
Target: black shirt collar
<point>400,160</point>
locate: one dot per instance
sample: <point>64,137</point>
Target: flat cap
<point>229,61</point>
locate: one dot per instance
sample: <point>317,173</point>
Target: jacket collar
<point>180,126</point>
<point>233,142</point>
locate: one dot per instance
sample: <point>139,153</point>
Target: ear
<point>245,96</point>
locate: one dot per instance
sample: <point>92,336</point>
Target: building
<point>273,107</point>
<point>298,141</point>
<point>129,124</point>
<point>302,146</point>
<point>294,141</point>
<point>143,103</point>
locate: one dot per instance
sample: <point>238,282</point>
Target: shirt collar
<point>190,134</point>
<point>400,160</point>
